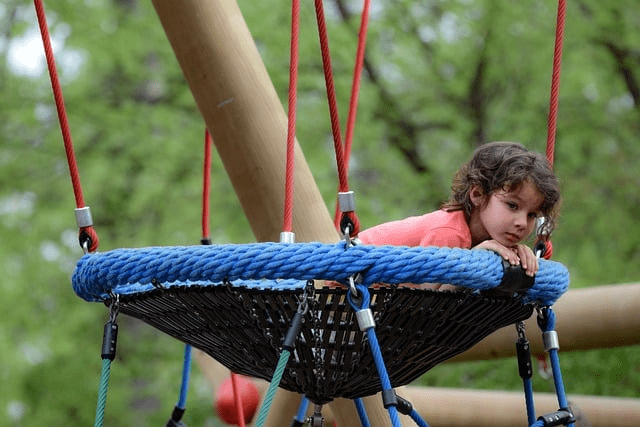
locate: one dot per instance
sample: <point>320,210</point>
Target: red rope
<point>555,82</point>
<point>331,97</point>
<point>237,395</point>
<point>553,105</point>
<point>341,162</point>
<point>206,195</point>
<point>357,74</point>
<point>291,129</point>
<point>206,186</point>
<point>343,155</point>
<point>88,232</point>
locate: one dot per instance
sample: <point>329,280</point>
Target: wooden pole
<point>248,124</point>
<point>244,115</point>
<point>444,407</point>
<point>589,318</point>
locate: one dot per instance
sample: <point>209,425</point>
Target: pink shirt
<point>439,228</point>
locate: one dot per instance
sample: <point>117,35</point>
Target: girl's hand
<point>528,260</point>
<point>518,254</point>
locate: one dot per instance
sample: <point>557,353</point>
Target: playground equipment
<point>254,159</point>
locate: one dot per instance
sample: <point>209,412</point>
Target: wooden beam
<point>445,407</point>
<point>588,318</point>
<point>248,124</point>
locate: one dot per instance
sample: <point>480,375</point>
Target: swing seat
<point>237,302</point>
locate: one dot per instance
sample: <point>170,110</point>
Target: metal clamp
<point>83,217</point>
<point>365,319</point>
<point>550,341</point>
<point>287,237</point>
<point>346,201</point>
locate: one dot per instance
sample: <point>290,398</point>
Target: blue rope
<point>382,372</point>
<point>130,271</point>
<point>102,392</point>
<point>186,373</point>
<point>273,386</point>
<point>376,352</point>
<point>302,410</point>
<point>362,412</point>
<point>529,401</point>
<point>555,363</point>
<point>415,416</point>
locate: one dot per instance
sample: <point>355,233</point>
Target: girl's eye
<point>533,215</point>
<point>512,205</point>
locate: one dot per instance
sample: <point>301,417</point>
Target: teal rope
<point>102,392</point>
<point>273,386</point>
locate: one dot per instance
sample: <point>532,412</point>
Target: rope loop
<point>88,239</point>
<point>359,297</point>
<point>546,319</point>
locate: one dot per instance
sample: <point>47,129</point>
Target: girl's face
<point>505,216</point>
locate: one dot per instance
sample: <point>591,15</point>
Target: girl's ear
<point>476,196</point>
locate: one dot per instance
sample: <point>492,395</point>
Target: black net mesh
<point>244,329</point>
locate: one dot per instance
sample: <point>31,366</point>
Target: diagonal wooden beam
<point>248,124</point>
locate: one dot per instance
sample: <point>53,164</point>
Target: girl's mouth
<point>512,237</point>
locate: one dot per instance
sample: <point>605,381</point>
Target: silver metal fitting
<point>365,319</point>
<point>543,226</point>
<point>83,217</point>
<point>287,237</point>
<point>550,341</point>
<point>346,201</point>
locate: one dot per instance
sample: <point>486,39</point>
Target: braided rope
<point>273,388</point>
<point>102,392</point>
<point>128,271</point>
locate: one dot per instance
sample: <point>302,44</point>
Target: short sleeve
<point>446,238</point>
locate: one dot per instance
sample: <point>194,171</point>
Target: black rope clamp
<point>560,417</point>
<point>293,331</point>
<point>298,318</point>
<point>514,280</point>
<point>110,334</point>
<point>523,352</point>
<point>390,398</point>
<point>176,417</point>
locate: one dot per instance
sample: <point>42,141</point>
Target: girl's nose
<point>521,220</point>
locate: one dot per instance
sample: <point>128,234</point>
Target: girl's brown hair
<point>504,166</point>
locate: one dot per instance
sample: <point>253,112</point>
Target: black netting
<point>244,328</point>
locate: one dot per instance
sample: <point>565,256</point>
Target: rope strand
<point>87,233</point>
<point>291,128</point>
<point>555,82</point>
<point>206,187</point>
<point>331,96</point>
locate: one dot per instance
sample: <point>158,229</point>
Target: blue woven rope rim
<point>287,266</point>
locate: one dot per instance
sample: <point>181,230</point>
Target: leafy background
<point>440,78</point>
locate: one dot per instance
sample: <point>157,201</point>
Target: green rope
<point>102,392</point>
<point>273,386</point>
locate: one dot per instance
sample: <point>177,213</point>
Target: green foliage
<point>441,77</point>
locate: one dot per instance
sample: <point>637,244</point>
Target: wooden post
<point>589,318</point>
<point>248,124</point>
<point>244,115</point>
<point>444,407</point>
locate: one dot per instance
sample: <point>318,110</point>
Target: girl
<point>496,198</point>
